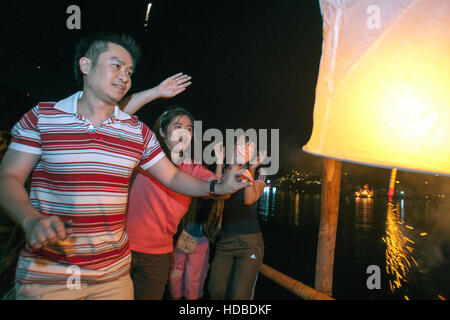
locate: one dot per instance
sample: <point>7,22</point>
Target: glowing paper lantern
<point>383,91</point>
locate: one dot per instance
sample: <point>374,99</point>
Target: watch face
<point>213,183</point>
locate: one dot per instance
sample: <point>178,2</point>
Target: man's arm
<point>219,175</point>
<point>39,229</point>
<point>169,88</point>
<point>166,173</point>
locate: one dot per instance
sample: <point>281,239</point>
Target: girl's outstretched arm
<point>169,88</point>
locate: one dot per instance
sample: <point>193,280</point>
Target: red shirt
<point>155,211</point>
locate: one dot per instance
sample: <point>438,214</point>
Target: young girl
<point>240,248</point>
<point>189,271</point>
<point>154,211</point>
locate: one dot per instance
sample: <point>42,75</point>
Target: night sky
<point>254,64</point>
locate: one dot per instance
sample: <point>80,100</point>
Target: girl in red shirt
<point>154,211</point>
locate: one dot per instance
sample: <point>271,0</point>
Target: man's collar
<point>69,105</point>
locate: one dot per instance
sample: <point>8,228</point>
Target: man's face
<point>110,79</point>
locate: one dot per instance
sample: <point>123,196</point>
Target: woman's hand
<point>173,85</point>
<point>169,88</point>
<point>219,152</point>
<point>259,160</point>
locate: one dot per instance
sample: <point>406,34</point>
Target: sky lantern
<point>382,98</point>
<point>383,91</point>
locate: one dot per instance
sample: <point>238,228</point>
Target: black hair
<point>165,119</point>
<point>94,45</point>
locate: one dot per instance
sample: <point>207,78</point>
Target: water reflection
<point>402,209</point>
<point>363,212</point>
<point>267,203</point>
<point>410,242</point>
<point>399,248</point>
<point>287,206</point>
<point>296,209</point>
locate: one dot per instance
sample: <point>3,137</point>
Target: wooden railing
<point>296,287</point>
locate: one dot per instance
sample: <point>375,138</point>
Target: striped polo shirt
<point>82,176</point>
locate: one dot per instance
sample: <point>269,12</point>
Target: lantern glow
<point>386,100</point>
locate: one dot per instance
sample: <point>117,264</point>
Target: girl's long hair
<point>163,122</point>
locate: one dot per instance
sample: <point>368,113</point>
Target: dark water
<point>290,224</point>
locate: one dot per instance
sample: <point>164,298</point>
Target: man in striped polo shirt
<point>80,153</point>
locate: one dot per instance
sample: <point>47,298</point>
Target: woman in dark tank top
<point>240,248</point>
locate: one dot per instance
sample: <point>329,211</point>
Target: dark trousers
<point>150,273</point>
<point>235,266</point>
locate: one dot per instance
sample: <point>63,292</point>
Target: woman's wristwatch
<point>212,184</point>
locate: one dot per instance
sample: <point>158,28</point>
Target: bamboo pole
<point>328,225</point>
<point>292,285</point>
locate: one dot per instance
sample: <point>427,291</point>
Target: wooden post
<point>328,225</point>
